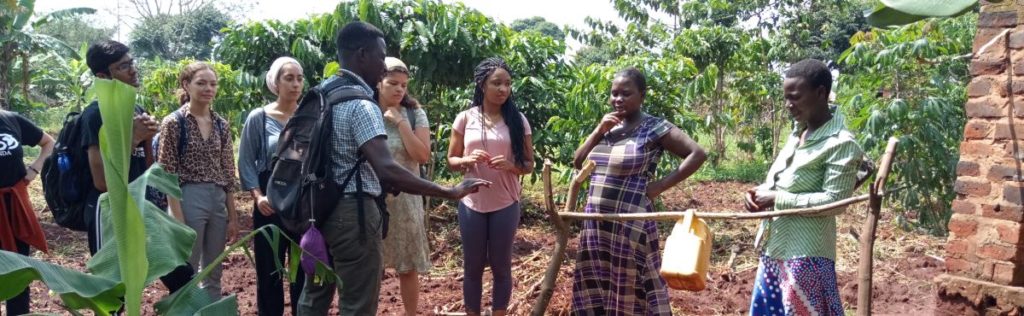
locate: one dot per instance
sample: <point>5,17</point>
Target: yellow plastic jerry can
<point>687,254</point>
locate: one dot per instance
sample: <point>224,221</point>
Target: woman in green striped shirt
<point>818,165</point>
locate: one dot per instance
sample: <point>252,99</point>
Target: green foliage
<point>76,289</point>
<point>167,245</point>
<point>168,241</point>
<point>55,80</point>
<point>237,91</point>
<point>909,83</point>
<point>589,55</point>
<point>815,29</point>
<point>19,41</point>
<point>77,30</point>
<point>117,104</point>
<point>538,24</point>
<point>751,171</point>
<point>442,42</point>
<point>174,37</point>
<point>713,68</point>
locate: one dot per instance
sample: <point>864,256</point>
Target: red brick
<point>1003,173</point>
<point>1003,211</point>
<point>962,226</point>
<point>1008,274</point>
<point>959,266</point>
<point>1013,150</point>
<point>979,87</point>
<point>1010,232</point>
<point>987,269</point>
<point>1012,194</point>
<point>972,187</point>
<point>967,168</point>
<point>987,67</point>
<point>999,252</point>
<point>986,107</point>
<point>975,149</point>
<point>997,19</point>
<point>957,248</point>
<point>1018,106</point>
<point>1004,132</point>
<point>977,129</point>
<point>983,37</point>
<point>1016,39</point>
<point>964,207</point>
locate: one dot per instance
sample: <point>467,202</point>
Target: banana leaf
<point>168,241</point>
<point>76,289</point>
<point>117,108</point>
<point>191,300</point>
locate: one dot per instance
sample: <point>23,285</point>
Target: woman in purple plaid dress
<point>617,263</point>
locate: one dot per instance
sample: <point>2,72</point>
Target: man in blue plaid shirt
<point>358,129</point>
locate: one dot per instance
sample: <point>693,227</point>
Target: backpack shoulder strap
<point>344,94</point>
<point>411,113</point>
<point>263,142</point>
<point>182,133</point>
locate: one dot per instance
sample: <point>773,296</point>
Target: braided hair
<point>509,110</point>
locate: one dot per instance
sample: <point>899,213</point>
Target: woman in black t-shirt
<point>19,227</point>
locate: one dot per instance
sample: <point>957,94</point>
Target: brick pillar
<point>985,250</point>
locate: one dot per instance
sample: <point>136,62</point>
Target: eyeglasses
<point>125,66</point>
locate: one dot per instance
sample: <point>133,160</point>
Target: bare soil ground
<point>905,262</point>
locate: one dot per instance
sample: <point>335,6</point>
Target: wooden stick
<point>672,216</point>
<point>547,286</point>
<point>867,238</point>
<point>577,181</point>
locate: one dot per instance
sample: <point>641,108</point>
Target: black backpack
<point>66,178</point>
<point>301,186</point>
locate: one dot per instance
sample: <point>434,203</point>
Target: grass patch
<point>742,171</point>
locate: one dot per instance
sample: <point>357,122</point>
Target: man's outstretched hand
<point>467,186</point>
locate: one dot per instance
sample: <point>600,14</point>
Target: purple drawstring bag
<point>314,248</point>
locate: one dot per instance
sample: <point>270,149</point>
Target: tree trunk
<point>716,108</point>
<point>6,59</point>
<point>25,73</point>
<point>776,129</point>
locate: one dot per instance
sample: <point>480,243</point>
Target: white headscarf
<point>275,70</point>
<point>390,63</point>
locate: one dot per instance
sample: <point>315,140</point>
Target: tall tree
<point>77,30</point>
<point>178,36</point>
<point>539,24</point>
<point>149,9</point>
<point>19,40</point>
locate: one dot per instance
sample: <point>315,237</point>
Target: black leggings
<point>269,295</point>
<point>487,240</point>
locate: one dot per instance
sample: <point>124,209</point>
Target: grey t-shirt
<point>260,132</point>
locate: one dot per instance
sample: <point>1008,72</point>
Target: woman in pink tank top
<point>491,141</point>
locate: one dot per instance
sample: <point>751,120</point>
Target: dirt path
<point>905,263</point>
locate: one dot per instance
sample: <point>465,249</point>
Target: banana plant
<point>136,226</point>
<point>18,41</point>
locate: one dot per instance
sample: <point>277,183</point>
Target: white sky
<point>567,12</point>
